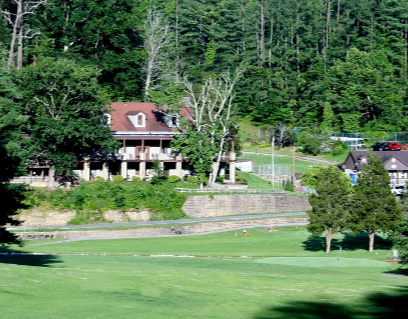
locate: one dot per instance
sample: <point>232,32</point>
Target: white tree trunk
<point>371,236</point>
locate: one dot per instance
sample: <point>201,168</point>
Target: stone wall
<point>222,205</point>
<point>36,218</point>
<point>195,206</point>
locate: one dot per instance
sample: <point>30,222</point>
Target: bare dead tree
<point>212,109</point>
<point>18,32</point>
<point>156,38</point>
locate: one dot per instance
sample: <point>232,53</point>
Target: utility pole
<point>273,159</point>
<point>293,164</point>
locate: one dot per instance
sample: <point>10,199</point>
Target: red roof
<point>154,119</point>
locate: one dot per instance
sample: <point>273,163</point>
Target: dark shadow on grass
<point>349,242</point>
<point>399,271</point>
<point>361,240</point>
<point>318,243</point>
<point>374,306</point>
<point>9,256</point>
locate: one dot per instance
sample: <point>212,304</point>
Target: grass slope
<point>288,276</point>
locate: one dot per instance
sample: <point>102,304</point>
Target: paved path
<point>164,222</point>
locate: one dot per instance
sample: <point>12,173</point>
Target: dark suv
<point>379,146</point>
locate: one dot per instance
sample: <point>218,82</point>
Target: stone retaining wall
<point>222,205</point>
<point>37,218</point>
<point>142,232</point>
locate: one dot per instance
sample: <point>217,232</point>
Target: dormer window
<point>138,120</point>
<point>171,121</point>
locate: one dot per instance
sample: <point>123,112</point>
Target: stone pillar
<point>232,167</point>
<point>86,173</point>
<point>123,169</point>
<point>105,170</point>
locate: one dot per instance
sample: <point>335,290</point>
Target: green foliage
<point>173,179</point>
<point>264,144</point>
<point>400,239</point>
<point>196,146</point>
<point>377,136</point>
<point>12,157</point>
<point>90,200</point>
<point>192,179</point>
<point>136,179</point>
<point>65,106</point>
<point>288,186</point>
<point>339,148</point>
<point>99,179</point>
<point>315,142</point>
<point>310,176</point>
<point>118,178</point>
<point>158,173</point>
<point>331,205</point>
<point>374,206</point>
<point>219,179</point>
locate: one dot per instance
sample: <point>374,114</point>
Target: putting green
<point>324,262</point>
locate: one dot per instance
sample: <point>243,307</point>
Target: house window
<point>138,120</point>
<point>107,120</point>
<point>171,121</point>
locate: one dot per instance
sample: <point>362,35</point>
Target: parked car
<point>395,146</point>
<point>380,146</point>
<point>386,146</point>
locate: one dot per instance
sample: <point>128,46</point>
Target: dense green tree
<point>400,239</point>
<point>364,90</point>
<point>11,195</point>
<point>66,111</point>
<point>374,206</point>
<point>331,205</point>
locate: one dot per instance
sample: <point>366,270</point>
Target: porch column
<point>86,172</point>
<point>123,169</point>
<point>142,168</point>
<point>232,167</point>
<point>179,166</point>
<point>105,170</point>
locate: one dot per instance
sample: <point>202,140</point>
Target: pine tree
<point>374,206</point>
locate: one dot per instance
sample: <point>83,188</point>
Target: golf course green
<point>280,274</point>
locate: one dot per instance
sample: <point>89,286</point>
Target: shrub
<point>264,144</point>
<point>173,179</point>
<point>192,179</point>
<point>338,150</point>
<point>136,179</point>
<point>241,180</point>
<point>219,179</point>
<point>118,178</point>
<point>99,179</point>
<point>289,186</point>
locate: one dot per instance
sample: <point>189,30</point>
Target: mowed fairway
<point>283,274</point>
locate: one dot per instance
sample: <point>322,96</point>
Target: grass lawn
<point>280,274</point>
<point>289,152</point>
<point>300,166</point>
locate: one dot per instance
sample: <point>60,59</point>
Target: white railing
<point>28,179</point>
<point>229,191</point>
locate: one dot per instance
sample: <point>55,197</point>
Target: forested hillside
<point>338,64</point>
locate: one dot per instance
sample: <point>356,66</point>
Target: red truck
<point>387,146</point>
<point>395,146</point>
